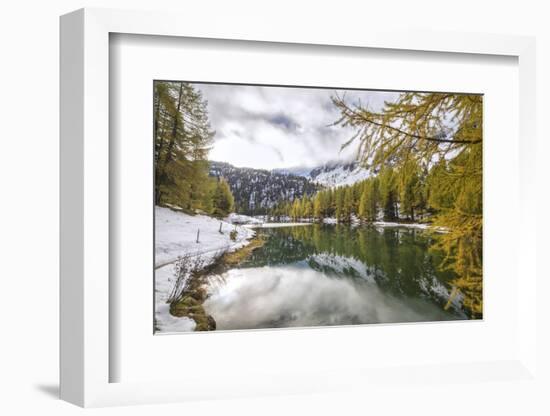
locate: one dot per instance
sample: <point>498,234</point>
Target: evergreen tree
<point>348,204</point>
<point>295,210</point>
<point>307,208</point>
<point>374,198</point>
<point>318,208</point>
<point>339,204</point>
<point>357,191</point>
<point>182,135</point>
<point>370,200</point>
<point>388,193</point>
<point>411,189</point>
<point>223,202</point>
<point>330,203</point>
<point>364,205</point>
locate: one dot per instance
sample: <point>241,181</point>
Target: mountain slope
<point>257,190</point>
<point>338,174</point>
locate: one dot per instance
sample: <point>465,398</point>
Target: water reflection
<point>334,275</point>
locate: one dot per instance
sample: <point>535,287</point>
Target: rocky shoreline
<point>190,303</point>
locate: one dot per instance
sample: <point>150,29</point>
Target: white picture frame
<point>85,217</point>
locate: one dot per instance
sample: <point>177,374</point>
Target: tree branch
<point>416,136</point>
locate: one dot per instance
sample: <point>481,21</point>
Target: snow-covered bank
<point>276,224</point>
<point>410,225</point>
<point>400,224</point>
<point>263,222</point>
<point>176,236</point>
<point>235,218</point>
<point>166,323</point>
<point>387,224</point>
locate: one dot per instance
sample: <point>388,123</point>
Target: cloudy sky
<point>278,127</point>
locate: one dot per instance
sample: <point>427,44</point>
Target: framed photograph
<point>285,207</point>
<point>230,230</point>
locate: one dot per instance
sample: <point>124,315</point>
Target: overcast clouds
<point>276,127</point>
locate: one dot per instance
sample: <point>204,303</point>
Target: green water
<point>319,275</point>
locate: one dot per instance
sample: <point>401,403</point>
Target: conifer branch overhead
<point>362,116</point>
<point>432,141</point>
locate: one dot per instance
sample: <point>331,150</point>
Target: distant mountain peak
<point>334,174</point>
<point>330,174</point>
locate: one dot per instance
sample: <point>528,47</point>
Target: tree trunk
<point>173,136</point>
<point>157,168</point>
<point>157,114</point>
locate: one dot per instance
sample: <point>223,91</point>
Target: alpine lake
<point>324,274</point>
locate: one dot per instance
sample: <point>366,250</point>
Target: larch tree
<point>183,136</point>
<point>426,128</point>
<point>348,204</point>
<point>410,189</point>
<point>339,204</point>
<point>223,201</point>
<point>388,193</point>
<point>295,210</point>
<point>373,185</point>
<point>363,210</point>
<point>318,208</point>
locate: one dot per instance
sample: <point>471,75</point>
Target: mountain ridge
<point>258,190</point>
<point>330,174</point>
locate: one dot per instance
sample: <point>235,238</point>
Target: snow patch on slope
<point>336,175</point>
<point>235,218</point>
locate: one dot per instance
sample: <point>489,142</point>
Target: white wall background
<point>29,115</point>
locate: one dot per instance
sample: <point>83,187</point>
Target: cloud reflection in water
<point>298,296</point>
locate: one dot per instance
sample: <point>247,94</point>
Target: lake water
<point>318,275</point>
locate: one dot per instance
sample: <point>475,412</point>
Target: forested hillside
<point>390,195</point>
<point>258,191</point>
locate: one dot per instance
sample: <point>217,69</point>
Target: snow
<point>340,175</point>
<point>410,225</point>
<point>235,218</point>
<point>175,236</point>
<point>355,221</point>
<point>166,323</point>
<point>339,264</point>
<point>332,174</point>
<point>277,224</point>
<point>433,287</point>
<point>174,207</point>
<point>297,171</point>
<point>399,224</point>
